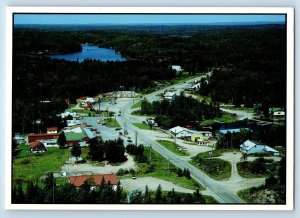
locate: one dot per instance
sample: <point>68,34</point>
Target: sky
<point>140,19</point>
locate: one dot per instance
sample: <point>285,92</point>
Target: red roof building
<point>42,136</point>
<point>97,179</point>
<point>37,147</point>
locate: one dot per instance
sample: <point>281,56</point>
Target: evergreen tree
<point>76,150</point>
<point>158,195</point>
<point>147,196</point>
<point>61,141</point>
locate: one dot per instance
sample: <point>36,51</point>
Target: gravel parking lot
<point>140,184</point>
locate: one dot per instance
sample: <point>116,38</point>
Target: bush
<point>25,162</point>
<point>121,172</point>
<point>132,172</point>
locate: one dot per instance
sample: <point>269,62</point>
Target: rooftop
<point>97,179</point>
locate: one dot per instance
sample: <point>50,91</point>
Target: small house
<point>37,147</point>
<point>252,147</point>
<point>177,68</point>
<point>170,96</point>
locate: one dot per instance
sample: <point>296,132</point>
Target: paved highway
<point>219,192</point>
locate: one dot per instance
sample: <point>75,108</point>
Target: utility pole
<point>150,151</point>
<point>53,179</point>
<point>175,138</point>
<point>136,134</point>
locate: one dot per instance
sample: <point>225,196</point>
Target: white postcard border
<point>145,10</point>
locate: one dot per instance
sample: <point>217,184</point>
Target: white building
<point>251,147</point>
<point>19,139</point>
<point>73,122</point>
<point>180,132</point>
<point>169,95</point>
<point>177,68</point>
<point>51,130</point>
<point>67,113</point>
<point>49,142</point>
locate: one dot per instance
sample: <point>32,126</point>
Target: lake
<point>91,52</point>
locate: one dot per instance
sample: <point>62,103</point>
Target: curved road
<point>220,193</point>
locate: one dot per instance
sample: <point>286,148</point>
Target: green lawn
<point>159,167</point>
<point>226,118</point>
<point>136,105</point>
<point>29,166</point>
<point>216,168</point>
<point>172,147</point>
<point>112,122</point>
<point>138,113</point>
<point>83,111</point>
<point>142,126</point>
<point>190,143</point>
<point>210,200</point>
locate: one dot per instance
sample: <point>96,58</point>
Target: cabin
<point>37,147</point>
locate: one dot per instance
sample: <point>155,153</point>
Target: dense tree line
<point>39,80</point>
<point>181,111</point>
<point>51,192</point>
<point>249,87</point>
<point>111,150</point>
<point>254,56</point>
<point>138,152</point>
<point>272,136</point>
<point>275,182</point>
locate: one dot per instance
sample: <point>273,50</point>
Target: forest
<point>52,192</point>
<point>242,57</point>
<point>181,111</point>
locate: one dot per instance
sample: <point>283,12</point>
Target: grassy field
<point>82,111</point>
<point>142,126</point>
<point>160,168</point>
<point>111,122</point>
<point>138,113</point>
<point>190,143</point>
<point>29,166</point>
<point>172,147</point>
<point>216,168</point>
<point>210,200</point>
<point>136,105</point>
<point>226,118</point>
